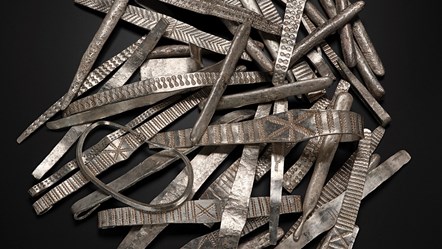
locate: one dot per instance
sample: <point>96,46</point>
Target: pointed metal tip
<point>298,233</point>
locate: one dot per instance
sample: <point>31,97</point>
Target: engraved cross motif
<point>118,150</point>
<point>205,210</point>
<point>340,239</point>
<point>291,124</point>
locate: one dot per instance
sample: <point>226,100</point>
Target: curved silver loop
<point>120,197</point>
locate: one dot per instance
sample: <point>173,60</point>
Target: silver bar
<point>261,240</point>
<point>346,37</point>
<point>94,48</point>
<point>325,216</point>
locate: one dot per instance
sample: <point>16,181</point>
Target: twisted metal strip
<point>159,85</point>
<point>179,31</point>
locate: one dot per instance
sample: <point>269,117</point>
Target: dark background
<point>42,43</point>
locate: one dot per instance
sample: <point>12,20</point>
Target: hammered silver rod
<point>368,49</point>
<point>117,151</point>
<point>179,31</point>
<point>319,63</point>
<point>338,182</point>
<point>314,14</point>
<point>368,77</point>
<point>325,156</point>
<point>141,237</point>
<point>94,48</point>
<point>261,240</point>
<point>190,212</point>
<point>252,49</point>
<point>292,126</point>
<point>273,93</point>
<point>346,37</point>
<point>119,78</point>
<point>229,63</point>
<point>325,216</point>
<point>84,207</point>
<point>161,84</point>
<point>234,215</point>
<point>381,115</point>
<point>319,34</point>
<point>329,7</point>
<point>94,77</point>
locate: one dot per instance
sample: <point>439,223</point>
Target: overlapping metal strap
<point>117,151</point>
<point>179,31</point>
<point>293,126</point>
<point>195,211</point>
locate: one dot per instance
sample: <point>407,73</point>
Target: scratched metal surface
<point>38,79</point>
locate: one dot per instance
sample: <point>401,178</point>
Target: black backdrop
<point>43,41</point>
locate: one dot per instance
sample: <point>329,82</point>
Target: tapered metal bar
<point>346,37</point>
<point>319,34</point>
<point>238,45</point>
<point>94,48</point>
<point>325,217</point>
<point>325,156</point>
<point>274,93</point>
<point>381,115</point>
<point>235,215</point>
<point>179,31</point>
<point>261,240</point>
<point>369,78</point>
<point>367,47</point>
<point>314,14</point>
<point>94,77</point>
<point>329,7</point>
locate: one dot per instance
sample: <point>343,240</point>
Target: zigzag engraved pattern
<point>158,85</point>
<point>147,19</point>
<point>103,161</point>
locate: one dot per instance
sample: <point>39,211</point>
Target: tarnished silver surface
<point>303,71</point>
<point>203,166</point>
<point>314,14</point>
<point>330,26</point>
<point>318,61</point>
<point>274,93</point>
<point>291,23</point>
<point>368,49</point>
<point>179,31</point>
<point>381,115</point>
<point>269,10</point>
<point>93,50</point>
<point>338,182</point>
<point>95,149</point>
<point>161,84</point>
<point>346,37</point>
<point>168,67</point>
<point>368,77</point>
<point>261,240</point>
<point>84,206</point>
<point>235,211</point>
<point>293,126</point>
<point>325,156</point>
<point>341,232</point>
<point>193,211</point>
<point>119,78</point>
<point>94,77</point>
<point>325,216</point>
<point>228,67</point>
<point>300,168</point>
<point>118,150</point>
<point>329,7</point>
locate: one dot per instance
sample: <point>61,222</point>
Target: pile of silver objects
<point>288,91</point>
